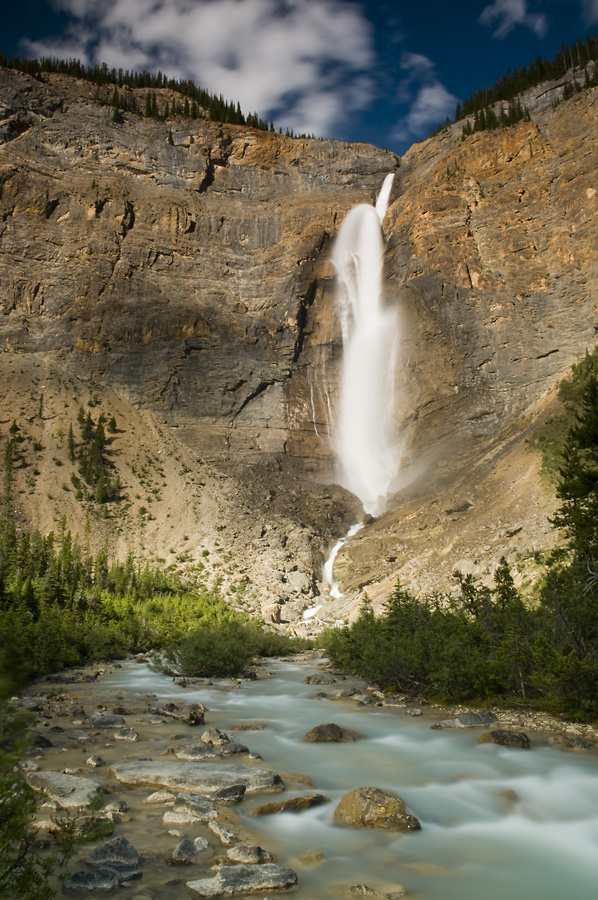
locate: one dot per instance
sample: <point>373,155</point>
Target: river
<point>496,822</point>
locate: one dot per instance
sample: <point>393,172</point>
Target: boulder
<point>232,794</point>
<point>107,720</point>
<point>215,737</point>
<point>295,804</point>
<point>320,678</point>
<point>190,809</point>
<point>476,719</point>
<point>186,850</point>
<point>103,880</point>
<point>126,734</point>
<point>223,834</point>
<point>67,790</point>
<point>578,743</point>
<point>187,776</point>
<point>506,738</point>
<point>118,850</point>
<point>370,807</point>
<point>194,714</point>
<point>202,750</point>
<point>234,747</point>
<point>249,855</point>
<point>244,880</point>
<point>331,733</point>
<point>95,761</point>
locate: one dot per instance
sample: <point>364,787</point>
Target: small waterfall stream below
<point>496,822</point>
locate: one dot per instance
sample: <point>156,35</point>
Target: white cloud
<point>306,60</point>
<point>590,11</point>
<point>429,101</point>
<point>509,14</point>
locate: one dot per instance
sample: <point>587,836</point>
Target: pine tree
<point>578,478</point>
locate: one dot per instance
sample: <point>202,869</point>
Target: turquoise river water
<point>496,822</point>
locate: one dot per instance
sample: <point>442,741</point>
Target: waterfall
<point>362,422</point>
<point>328,569</point>
<point>363,436</point>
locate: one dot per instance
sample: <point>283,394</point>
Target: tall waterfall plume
<point>363,425</point>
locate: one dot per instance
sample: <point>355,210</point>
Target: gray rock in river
<point>371,807</point>
<point>249,855</point>
<point>188,809</point>
<point>201,750</point>
<point>244,880</point>
<point>194,714</point>
<point>187,850</point>
<point>331,732</point>
<point>118,850</point>
<point>107,720</point>
<point>67,790</point>
<point>320,678</point>
<point>126,734</point>
<point>102,880</point>
<point>95,761</point>
<point>578,743</point>
<point>215,737</point>
<point>477,719</point>
<point>40,741</point>
<point>207,777</point>
<point>506,738</point>
<point>232,794</point>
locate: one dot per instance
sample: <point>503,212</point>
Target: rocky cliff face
<point>187,287</point>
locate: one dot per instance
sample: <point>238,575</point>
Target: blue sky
<point>384,71</point>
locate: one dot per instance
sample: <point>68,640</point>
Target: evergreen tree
<point>578,479</point>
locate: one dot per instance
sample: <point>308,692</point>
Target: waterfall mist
<point>363,426</point>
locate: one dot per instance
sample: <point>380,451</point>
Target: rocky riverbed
<point>169,783</point>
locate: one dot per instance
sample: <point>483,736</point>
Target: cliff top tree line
<point>479,109</point>
<point>116,86</point>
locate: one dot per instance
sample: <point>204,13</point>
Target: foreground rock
<point>480,719</point>
<point>332,733</point>
<point>103,880</point>
<point>370,807</point>
<point>244,880</point>
<point>249,855</point>
<point>68,791</point>
<point>186,851</point>
<point>320,678</point>
<point>118,850</point>
<point>190,809</point>
<point>187,776</point>
<point>107,720</point>
<point>506,738</point>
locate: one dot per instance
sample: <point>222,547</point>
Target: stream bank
<point>493,819</point>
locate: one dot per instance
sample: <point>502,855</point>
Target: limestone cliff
<point>187,288</point>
